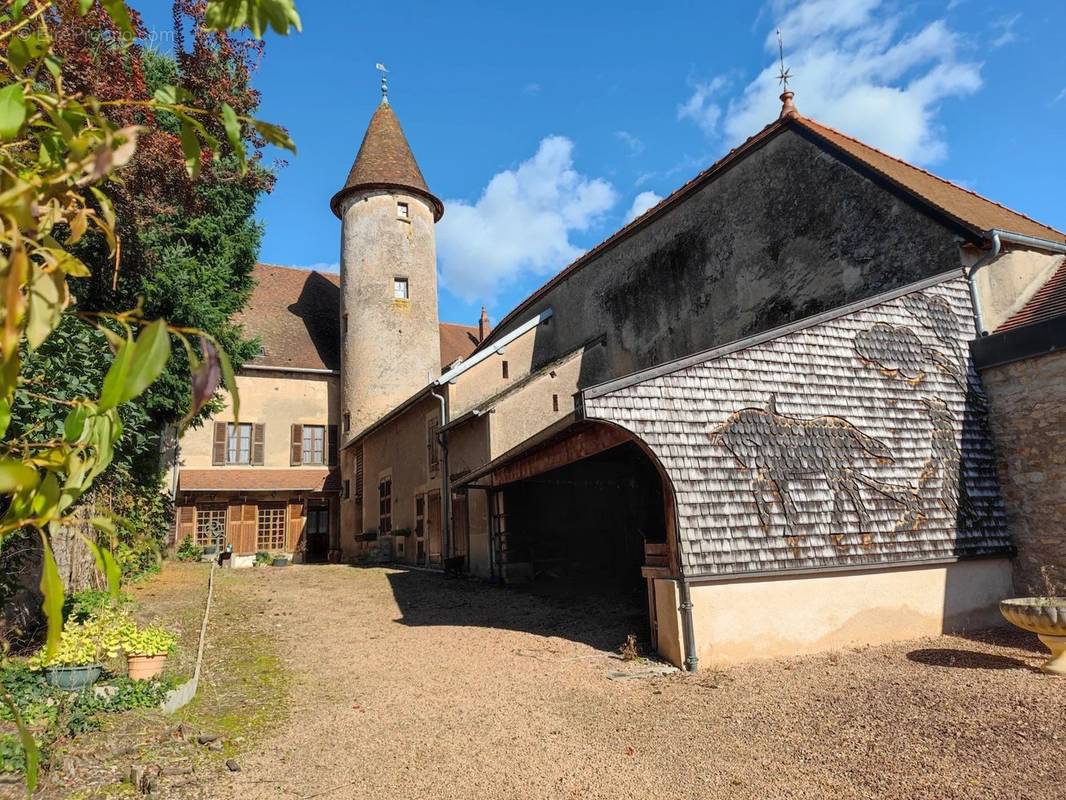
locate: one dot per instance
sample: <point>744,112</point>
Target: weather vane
<point>785,74</point>
<point>384,82</point>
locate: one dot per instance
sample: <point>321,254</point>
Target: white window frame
<point>239,442</point>
<point>309,456</point>
<point>401,288</point>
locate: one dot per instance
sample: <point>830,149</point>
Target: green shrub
<point>79,606</point>
<point>263,557</point>
<point>188,550</point>
<point>148,641</point>
<point>87,642</point>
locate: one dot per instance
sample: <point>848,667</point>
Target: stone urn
<point>1046,617</point>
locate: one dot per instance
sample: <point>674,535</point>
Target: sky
<point>544,127</point>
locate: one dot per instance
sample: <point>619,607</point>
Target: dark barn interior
<point>583,526</point>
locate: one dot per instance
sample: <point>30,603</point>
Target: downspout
<point>688,634</point>
<point>445,486</point>
<point>971,280</point>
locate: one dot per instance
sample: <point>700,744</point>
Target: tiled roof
<point>259,480</point>
<point>385,161</point>
<point>851,442</point>
<point>1048,302</point>
<point>295,313</point>
<point>456,341</point>
<point>953,202</point>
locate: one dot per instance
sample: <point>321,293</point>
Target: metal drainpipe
<point>971,280</point>
<point>445,486</point>
<point>687,632</point>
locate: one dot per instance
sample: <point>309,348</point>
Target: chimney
<point>483,327</point>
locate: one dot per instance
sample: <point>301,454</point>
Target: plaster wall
<point>740,620</point>
<point>392,347</point>
<point>485,379</point>
<point>1028,419</point>
<point>278,400</point>
<point>1008,283</point>
<point>785,233</point>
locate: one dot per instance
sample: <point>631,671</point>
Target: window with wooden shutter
<point>359,474</point>
<point>296,446</point>
<point>258,443</point>
<point>186,517</point>
<point>218,447</point>
<point>331,431</point>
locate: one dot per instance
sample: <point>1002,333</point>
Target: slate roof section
<point>961,206</point>
<point>858,440</point>
<point>295,314</point>
<point>1048,302</point>
<point>259,480</point>
<point>385,161</point>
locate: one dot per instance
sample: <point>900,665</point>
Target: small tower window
<point>555,402</point>
<point>506,371</point>
<point>402,211</point>
<point>347,422</point>
<point>345,323</point>
<point>400,289</point>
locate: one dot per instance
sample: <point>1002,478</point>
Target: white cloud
<point>1004,28</point>
<point>521,224</point>
<point>854,70</point>
<point>701,108</point>
<point>1060,96</point>
<point>633,144</point>
<point>641,203</point>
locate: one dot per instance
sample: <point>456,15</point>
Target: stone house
<point>270,482</point>
<point>752,412</point>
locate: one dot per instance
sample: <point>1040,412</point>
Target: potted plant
<point>83,645</point>
<point>147,650</point>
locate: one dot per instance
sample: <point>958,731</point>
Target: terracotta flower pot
<point>143,668</point>
<point>1046,617</point>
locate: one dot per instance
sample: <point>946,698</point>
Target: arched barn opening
<point>584,519</point>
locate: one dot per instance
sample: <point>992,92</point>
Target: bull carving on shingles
<point>778,449</point>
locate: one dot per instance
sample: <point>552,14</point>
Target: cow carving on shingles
<point>778,449</point>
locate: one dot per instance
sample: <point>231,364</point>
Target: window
<point>420,529</point>
<point>403,211</point>
<point>344,323</point>
<point>400,289</point>
<point>347,422</point>
<point>385,506</point>
<point>314,444</point>
<point>270,532</point>
<point>346,489</point>
<point>433,446</point>
<point>555,402</point>
<point>506,371</point>
<point>239,443</point>
<point>210,525</point>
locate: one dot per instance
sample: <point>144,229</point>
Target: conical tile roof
<point>385,161</point>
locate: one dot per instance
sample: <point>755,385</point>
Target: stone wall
<point>1028,418</point>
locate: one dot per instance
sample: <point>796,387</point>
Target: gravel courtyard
<point>407,685</point>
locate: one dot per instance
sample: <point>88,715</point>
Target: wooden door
<point>433,529</point>
<point>460,526</point>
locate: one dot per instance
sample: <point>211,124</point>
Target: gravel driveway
<point>407,685</point>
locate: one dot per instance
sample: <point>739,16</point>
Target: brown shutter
<point>218,448</point>
<point>359,473</point>
<point>296,448</point>
<point>249,538</point>
<point>186,522</point>
<point>258,440</point>
<point>296,525</point>
<point>331,434</point>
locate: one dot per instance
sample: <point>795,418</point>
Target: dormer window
<point>403,211</point>
<point>400,289</point>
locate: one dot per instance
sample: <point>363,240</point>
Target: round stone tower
<point>390,332</point>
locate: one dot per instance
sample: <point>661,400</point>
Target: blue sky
<point>544,126</point>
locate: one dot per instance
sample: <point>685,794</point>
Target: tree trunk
<point>77,567</point>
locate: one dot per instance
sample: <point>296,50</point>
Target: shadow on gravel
<point>602,622</point>
<point>965,659</point>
